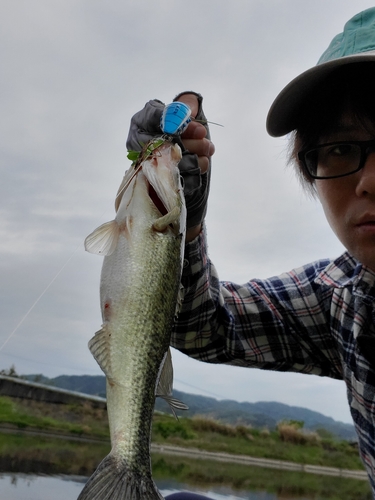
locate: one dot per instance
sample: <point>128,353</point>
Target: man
<point>318,319</point>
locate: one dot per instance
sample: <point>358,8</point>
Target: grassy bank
<point>48,456</point>
<point>288,442</point>
<point>284,484</point>
<point>76,419</point>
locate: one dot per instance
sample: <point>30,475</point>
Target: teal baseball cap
<point>355,44</point>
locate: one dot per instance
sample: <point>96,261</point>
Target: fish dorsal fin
<point>98,346</point>
<point>103,240</point>
<point>164,385</point>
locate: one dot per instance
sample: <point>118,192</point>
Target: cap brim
<point>284,111</point>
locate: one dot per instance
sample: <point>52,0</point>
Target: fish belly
<point>139,287</point>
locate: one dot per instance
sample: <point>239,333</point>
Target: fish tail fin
<point>113,480</point>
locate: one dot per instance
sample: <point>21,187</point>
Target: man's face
<point>349,202</point>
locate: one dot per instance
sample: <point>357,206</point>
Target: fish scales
<point>139,287</point>
<point>139,355</point>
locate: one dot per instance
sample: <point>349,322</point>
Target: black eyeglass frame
<point>365,147</point>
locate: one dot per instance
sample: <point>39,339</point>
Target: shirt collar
<point>346,271</point>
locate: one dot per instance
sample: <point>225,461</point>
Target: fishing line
<point>199,388</point>
<point>79,369</point>
<point>47,287</point>
<point>38,299</point>
<point>120,192</point>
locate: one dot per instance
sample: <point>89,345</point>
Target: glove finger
<point>196,184</point>
<point>145,125</point>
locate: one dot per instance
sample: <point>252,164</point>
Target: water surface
<point>19,486</point>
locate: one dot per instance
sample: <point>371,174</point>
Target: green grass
<point>58,456</point>
<point>75,419</point>
<point>51,456</point>
<point>214,436</point>
<point>287,443</point>
<point>284,484</point>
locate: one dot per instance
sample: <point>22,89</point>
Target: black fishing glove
<point>144,126</point>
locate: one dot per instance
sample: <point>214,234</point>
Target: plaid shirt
<point>318,319</point>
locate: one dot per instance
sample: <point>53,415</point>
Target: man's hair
<point>349,91</point>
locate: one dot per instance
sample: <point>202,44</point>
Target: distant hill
<point>260,415</point>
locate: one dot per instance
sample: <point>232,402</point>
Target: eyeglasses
<point>336,159</point>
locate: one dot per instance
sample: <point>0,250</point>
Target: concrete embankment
<point>24,389</point>
<point>258,462</point>
<point>18,388</point>
<point>203,455</point>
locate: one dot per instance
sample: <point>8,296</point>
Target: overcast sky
<point>73,74</point>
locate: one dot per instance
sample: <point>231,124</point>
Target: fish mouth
<point>158,203</point>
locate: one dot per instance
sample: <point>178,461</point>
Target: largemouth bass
<point>139,288</point>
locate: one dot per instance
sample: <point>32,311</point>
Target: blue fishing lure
<point>175,118</point>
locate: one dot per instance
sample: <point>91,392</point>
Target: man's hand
<point>194,139</point>
<point>197,151</point>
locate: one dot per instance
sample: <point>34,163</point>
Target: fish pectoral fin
<point>103,240</point>
<point>163,222</point>
<point>98,346</point>
<point>164,384</point>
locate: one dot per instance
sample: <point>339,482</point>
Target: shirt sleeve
<point>282,323</point>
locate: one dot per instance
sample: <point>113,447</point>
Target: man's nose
<point>366,182</point>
